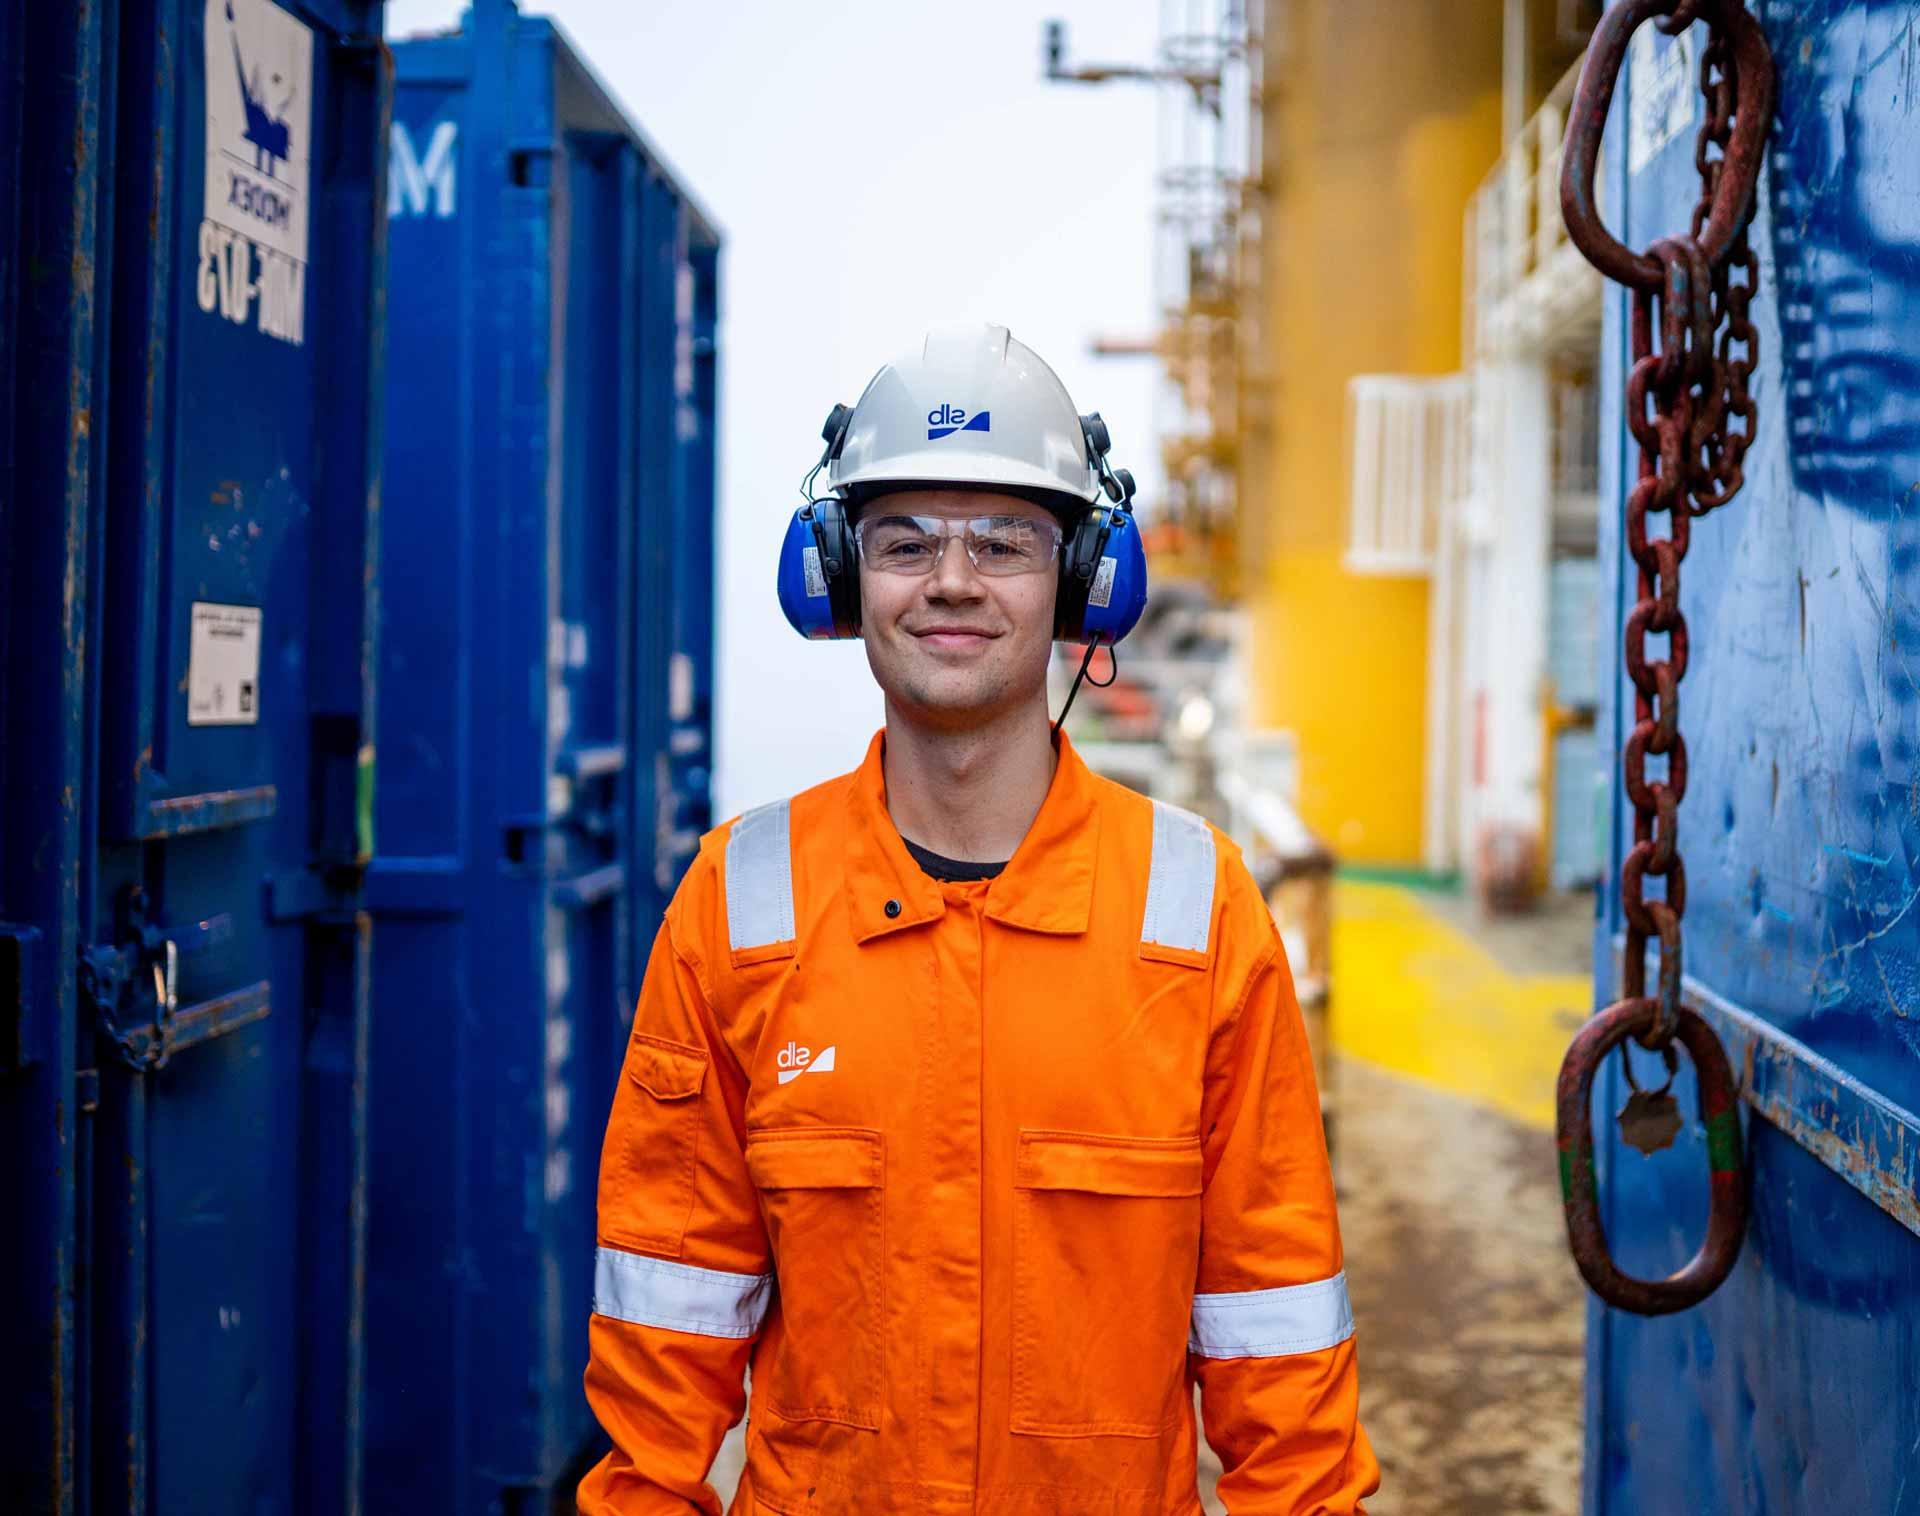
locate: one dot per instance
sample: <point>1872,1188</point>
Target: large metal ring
<point>1752,64</point>
<point>1727,1216</point>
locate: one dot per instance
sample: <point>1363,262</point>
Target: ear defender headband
<point>1103,566</point>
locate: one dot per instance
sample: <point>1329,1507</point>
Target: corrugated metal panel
<point>546,692</point>
<point>186,746</point>
<point>1791,1389</point>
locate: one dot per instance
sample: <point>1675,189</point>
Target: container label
<point>418,180</point>
<point>1664,96</point>
<point>252,266</point>
<point>223,665</point>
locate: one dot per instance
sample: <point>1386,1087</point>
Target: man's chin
<point>952,703</point>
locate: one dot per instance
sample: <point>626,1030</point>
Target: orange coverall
<point>978,1178</point>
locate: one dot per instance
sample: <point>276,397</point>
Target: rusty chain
<point>1684,396</point>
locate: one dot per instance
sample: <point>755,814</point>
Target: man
<point>967,1100</point>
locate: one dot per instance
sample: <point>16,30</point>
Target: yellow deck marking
<point>1414,995</point>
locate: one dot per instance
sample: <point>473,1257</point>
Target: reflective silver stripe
<point>759,879</point>
<point>1297,1318</point>
<point>653,1292</point>
<point>1179,880</point>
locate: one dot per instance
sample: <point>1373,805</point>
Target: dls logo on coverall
<point>795,1060</point>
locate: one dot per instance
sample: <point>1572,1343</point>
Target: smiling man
<point>967,1102</point>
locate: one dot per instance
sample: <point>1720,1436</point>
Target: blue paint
<point>1791,1388</point>
<point>546,708</point>
<point>1856,856</point>
<point>185,1252</point>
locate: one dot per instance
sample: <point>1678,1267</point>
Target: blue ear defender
<point>1103,576</point>
<point>1103,565</point>
<point>819,576</point>
<point>1111,597</point>
<point>819,581</point>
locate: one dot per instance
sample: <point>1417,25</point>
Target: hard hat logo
<point>945,420</point>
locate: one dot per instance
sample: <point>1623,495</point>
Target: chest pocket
<point>821,1192</point>
<point>1106,1249</point>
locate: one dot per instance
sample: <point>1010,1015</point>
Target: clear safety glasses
<point>998,545</point>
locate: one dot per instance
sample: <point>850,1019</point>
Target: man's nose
<point>954,576</point>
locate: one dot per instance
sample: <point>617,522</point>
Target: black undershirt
<point>950,870</point>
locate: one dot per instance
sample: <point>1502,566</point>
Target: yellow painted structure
<point>1382,117</point>
<point>1414,995</point>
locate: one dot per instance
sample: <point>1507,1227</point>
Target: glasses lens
<point>897,545</point>
<point>998,545</point>
<point>1011,544</point>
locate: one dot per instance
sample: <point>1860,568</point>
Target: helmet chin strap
<point>1113,660</point>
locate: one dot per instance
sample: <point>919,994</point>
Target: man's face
<point>953,646</point>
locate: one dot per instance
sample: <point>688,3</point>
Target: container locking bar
<point>144,976</point>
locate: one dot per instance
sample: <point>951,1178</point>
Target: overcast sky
<point>876,166</point>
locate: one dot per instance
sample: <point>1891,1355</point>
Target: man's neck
<point>968,795</point>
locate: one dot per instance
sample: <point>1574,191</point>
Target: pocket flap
<point>1167,1166</point>
<point>807,1158</point>
<point>665,1070</point>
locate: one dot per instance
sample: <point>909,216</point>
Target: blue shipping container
<point>546,658</point>
<point>191,241</point>
<point>1792,1389</point>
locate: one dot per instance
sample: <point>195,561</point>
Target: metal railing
<point>1528,289</point>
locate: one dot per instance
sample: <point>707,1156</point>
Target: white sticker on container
<point>679,688</point>
<point>223,665</point>
<point>252,266</point>
<point>1102,591</point>
<point>1663,95</point>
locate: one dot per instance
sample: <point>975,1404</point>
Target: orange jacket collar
<point>1047,886</point>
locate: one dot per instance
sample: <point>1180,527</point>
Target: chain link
<point>1683,399</point>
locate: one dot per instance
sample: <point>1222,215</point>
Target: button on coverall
<point>978,1179</point>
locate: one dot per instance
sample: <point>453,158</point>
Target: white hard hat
<point>970,406</point>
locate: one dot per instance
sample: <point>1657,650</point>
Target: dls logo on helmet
<point>945,420</point>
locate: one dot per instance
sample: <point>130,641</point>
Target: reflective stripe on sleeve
<point>759,879</point>
<point>1297,1318</point>
<point>1179,881</point>
<point>654,1292</point>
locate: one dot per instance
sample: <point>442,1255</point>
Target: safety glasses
<point>998,545</point>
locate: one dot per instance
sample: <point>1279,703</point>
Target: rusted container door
<point>200,1019</point>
